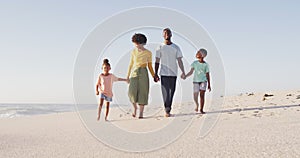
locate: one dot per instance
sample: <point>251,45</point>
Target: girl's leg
<point>141,111</point>
<point>196,100</point>
<point>202,100</point>
<point>107,110</point>
<point>99,108</point>
<point>134,109</point>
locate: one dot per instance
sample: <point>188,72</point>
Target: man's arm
<point>156,78</point>
<point>180,64</point>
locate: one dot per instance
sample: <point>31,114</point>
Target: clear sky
<point>39,40</point>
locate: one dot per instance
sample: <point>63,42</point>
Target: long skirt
<point>139,86</point>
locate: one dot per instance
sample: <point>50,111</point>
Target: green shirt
<point>200,70</point>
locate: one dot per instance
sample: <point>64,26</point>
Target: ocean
<point>21,110</point>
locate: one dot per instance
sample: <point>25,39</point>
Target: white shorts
<point>199,86</point>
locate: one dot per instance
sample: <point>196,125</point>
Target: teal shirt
<point>200,70</point>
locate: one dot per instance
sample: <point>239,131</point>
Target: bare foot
<point>98,117</point>
<point>141,117</point>
<point>202,112</point>
<point>134,112</point>
<point>167,115</point>
<point>105,118</point>
<point>196,109</point>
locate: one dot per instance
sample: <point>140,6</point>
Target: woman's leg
<point>107,110</point>
<point>141,111</point>
<point>99,108</point>
<point>134,109</point>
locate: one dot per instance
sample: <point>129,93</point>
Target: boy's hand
<point>97,92</point>
<point>127,80</point>
<point>209,89</point>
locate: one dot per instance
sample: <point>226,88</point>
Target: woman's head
<point>139,39</point>
<point>106,66</point>
<point>201,53</point>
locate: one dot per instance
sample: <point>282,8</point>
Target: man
<point>169,54</point>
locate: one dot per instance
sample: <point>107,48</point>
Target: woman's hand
<point>128,80</point>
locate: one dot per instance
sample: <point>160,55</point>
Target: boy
<point>201,78</point>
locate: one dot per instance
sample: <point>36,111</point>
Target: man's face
<point>167,35</point>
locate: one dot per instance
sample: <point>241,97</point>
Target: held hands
<point>156,78</point>
<point>183,76</point>
<point>127,80</point>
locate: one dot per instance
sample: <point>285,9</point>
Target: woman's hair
<point>105,62</point>
<point>139,38</point>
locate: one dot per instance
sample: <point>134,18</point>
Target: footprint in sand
<point>256,112</point>
<point>229,113</point>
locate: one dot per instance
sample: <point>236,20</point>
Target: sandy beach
<point>249,125</point>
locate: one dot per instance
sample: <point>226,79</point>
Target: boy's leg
<point>196,100</point>
<point>99,108</point>
<point>202,100</point>
<point>107,110</point>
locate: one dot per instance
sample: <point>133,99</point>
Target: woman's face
<point>138,45</point>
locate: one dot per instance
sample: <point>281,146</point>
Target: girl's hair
<point>105,62</point>
<point>139,38</point>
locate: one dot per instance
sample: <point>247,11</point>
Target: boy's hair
<point>167,29</point>
<point>139,38</point>
<point>203,52</point>
<point>105,62</point>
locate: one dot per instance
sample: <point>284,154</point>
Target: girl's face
<point>105,68</point>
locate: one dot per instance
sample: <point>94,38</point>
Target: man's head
<point>167,34</point>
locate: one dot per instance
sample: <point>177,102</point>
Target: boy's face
<point>105,68</point>
<point>198,55</point>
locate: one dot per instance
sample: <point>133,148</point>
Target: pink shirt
<point>106,83</point>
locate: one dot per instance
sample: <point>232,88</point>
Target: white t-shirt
<point>168,55</point>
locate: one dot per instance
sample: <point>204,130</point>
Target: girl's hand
<point>128,80</point>
<point>97,92</point>
<point>209,88</point>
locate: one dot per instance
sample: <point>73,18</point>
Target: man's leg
<point>172,88</point>
<point>165,92</point>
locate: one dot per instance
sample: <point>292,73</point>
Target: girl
<point>201,78</point>
<point>105,83</point>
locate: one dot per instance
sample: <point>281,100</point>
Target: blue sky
<point>257,40</point>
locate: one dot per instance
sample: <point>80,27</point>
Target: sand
<point>248,125</point>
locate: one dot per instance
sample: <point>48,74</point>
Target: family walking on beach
<point>168,58</point>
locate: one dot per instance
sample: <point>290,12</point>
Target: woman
<point>140,59</point>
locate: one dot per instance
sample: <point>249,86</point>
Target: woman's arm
<point>130,66</point>
<point>151,69</point>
